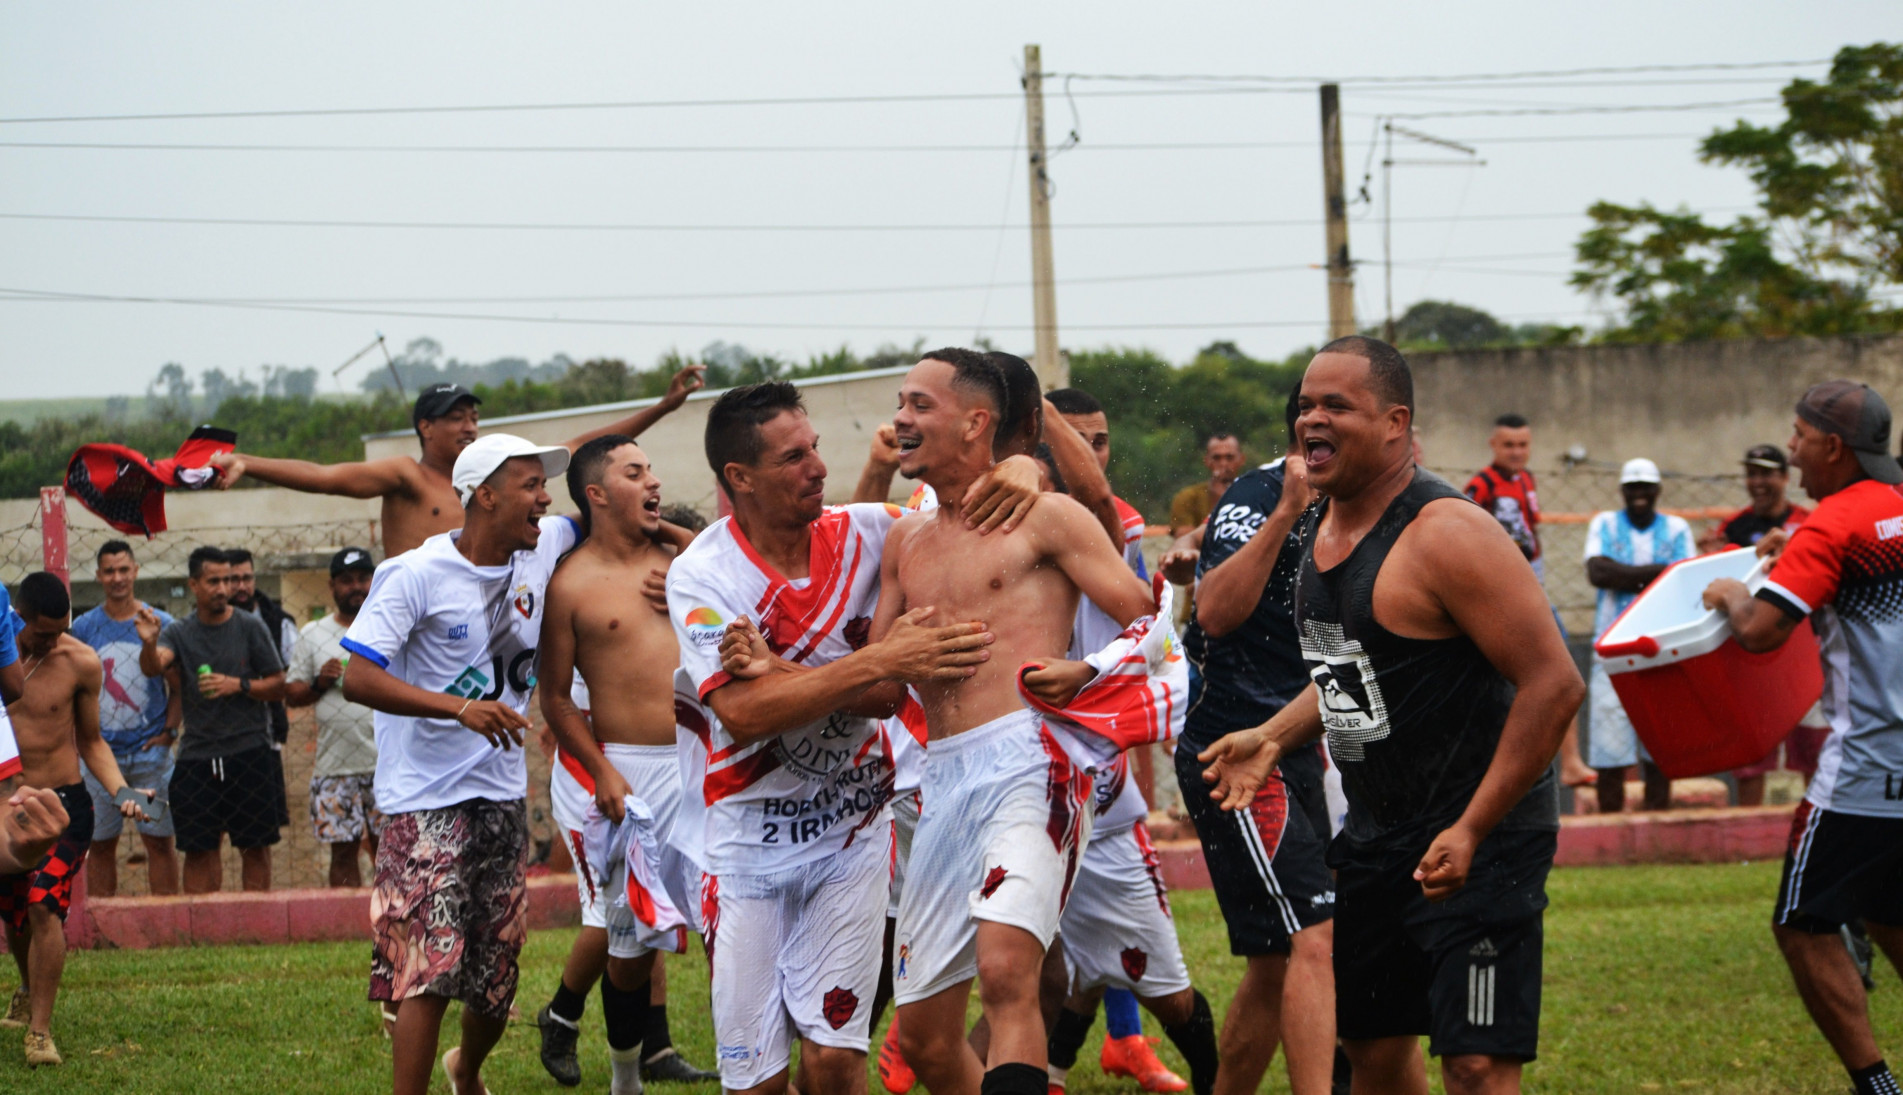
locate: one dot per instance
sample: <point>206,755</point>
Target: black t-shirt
<point>1259,664</point>
<point>1746,527</point>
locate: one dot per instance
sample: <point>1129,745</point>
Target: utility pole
<point>1053,371</point>
<point>1341,272</point>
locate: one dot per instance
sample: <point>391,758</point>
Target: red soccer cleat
<point>895,1075</point>
<point>1132,1056</point>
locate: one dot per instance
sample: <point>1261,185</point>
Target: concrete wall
<point>844,409</point>
<point>1693,407</point>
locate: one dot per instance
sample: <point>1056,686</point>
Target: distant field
<point>1658,979</point>
<point>28,411</point>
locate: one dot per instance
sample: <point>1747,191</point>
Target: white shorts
<point>796,954</point>
<point>653,773</point>
<point>1117,926</point>
<point>905,810</point>
<point>1006,817</point>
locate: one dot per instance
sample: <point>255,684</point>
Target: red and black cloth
<point>50,882</point>
<point>127,490</point>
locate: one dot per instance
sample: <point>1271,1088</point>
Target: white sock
<point>627,1071</point>
<point>1057,1075</point>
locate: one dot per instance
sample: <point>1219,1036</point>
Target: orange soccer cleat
<point>1132,1056</point>
<point>895,1075</point>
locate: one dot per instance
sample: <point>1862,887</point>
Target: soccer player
<point>444,650</point>
<point>139,722</point>
<point>793,835</point>
<point>1842,569</point>
<point>419,496</point>
<point>1083,414</point>
<point>56,722</point>
<point>1006,811</point>
<point>1266,863</point>
<point>1444,689</point>
<point>618,741</point>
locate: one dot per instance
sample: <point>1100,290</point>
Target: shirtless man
<point>56,722</point>
<point>418,501</point>
<point>1445,690</point>
<point>618,740</point>
<point>1007,813</point>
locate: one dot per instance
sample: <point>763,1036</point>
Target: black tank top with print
<point>1412,723</point>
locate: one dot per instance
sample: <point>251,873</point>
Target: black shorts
<point>1465,971</point>
<point>235,795</point>
<point>1840,867</point>
<point>1267,863</point>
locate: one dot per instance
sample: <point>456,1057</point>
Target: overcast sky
<point>1497,236</point>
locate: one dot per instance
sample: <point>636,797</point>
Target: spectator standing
<point>1222,455</point>
<point>1625,550</point>
<point>1506,488</point>
<point>139,722</point>
<point>222,781</point>
<point>1766,478</point>
<point>444,651</point>
<point>343,779</point>
<point>1843,570</point>
<point>283,631</point>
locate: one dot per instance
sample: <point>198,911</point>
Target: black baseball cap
<point>351,558</point>
<point>1766,456</point>
<point>438,400</point>
<point>1856,413</point>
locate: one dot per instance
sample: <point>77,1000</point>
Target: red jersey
<point>1514,501</point>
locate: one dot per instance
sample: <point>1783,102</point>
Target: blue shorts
<point>148,769</point>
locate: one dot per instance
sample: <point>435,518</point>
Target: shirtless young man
<point>617,740</point>
<point>56,723</point>
<point>1445,691</point>
<point>418,501</point>
<point>1007,812</point>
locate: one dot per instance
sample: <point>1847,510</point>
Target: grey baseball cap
<point>1856,413</point>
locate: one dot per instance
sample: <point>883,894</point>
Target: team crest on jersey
<point>1135,963</point>
<point>1352,708</point>
<point>525,601</point>
<point>993,880</point>
<point>704,626</point>
<point>840,1003</point>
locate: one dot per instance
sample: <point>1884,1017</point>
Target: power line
<point>1630,108</point>
<point>1132,146</point>
<point>610,226</point>
<point>56,297</point>
<point>1537,74</point>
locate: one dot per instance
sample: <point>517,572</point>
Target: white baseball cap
<point>481,457</point>
<point>1637,470</point>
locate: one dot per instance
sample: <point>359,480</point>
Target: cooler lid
<point>1669,621</point>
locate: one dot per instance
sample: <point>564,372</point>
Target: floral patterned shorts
<point>344,808</point>
<point>449,909</point>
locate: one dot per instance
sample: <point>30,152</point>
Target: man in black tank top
<point>1445,690</point>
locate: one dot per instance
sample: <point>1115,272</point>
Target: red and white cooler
<point>1701,703</point>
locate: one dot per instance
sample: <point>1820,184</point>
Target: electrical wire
<point>1627,108</point>
<point>610,226</point>
<point>1536,74</point>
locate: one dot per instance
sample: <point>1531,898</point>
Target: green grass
<point>1657,979</point>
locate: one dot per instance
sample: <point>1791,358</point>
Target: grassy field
<point>1657,979</point>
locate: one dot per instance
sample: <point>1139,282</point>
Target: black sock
<point>1875,1080</point>
<point>1067,1037</point>
<point>656,1039</point>
<point>568,1004</point>
<point>1015,1079</point>
<point>1195,1039</point>
<point>622,1012</point>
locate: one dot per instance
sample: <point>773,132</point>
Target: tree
<point>1828,237</point>
<point>1445,323</point>
<point>170,393</point>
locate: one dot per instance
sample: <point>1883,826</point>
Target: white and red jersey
<point>1132,534</point>
<point>801,795</point>
<point>1844,568</point>
<point>9,749</point>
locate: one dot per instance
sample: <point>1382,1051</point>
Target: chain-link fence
<point>292,565</point>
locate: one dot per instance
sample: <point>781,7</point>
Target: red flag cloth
<point>127,490</point>
<point>1140,693</point>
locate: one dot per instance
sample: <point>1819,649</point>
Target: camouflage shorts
<point>449,908</point>
<point>344,808</point>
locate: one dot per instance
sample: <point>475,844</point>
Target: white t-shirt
<point>346,735</point>
<point>804,794</point>
<point>439,622</point>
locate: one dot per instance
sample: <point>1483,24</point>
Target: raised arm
<point>882,463</point>
<point>1228,592</point>
<point>684,383</point>
<point>1078,465</point>
<point>1476,573</point>
<point>362,479</point>
<point>154,659</point>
